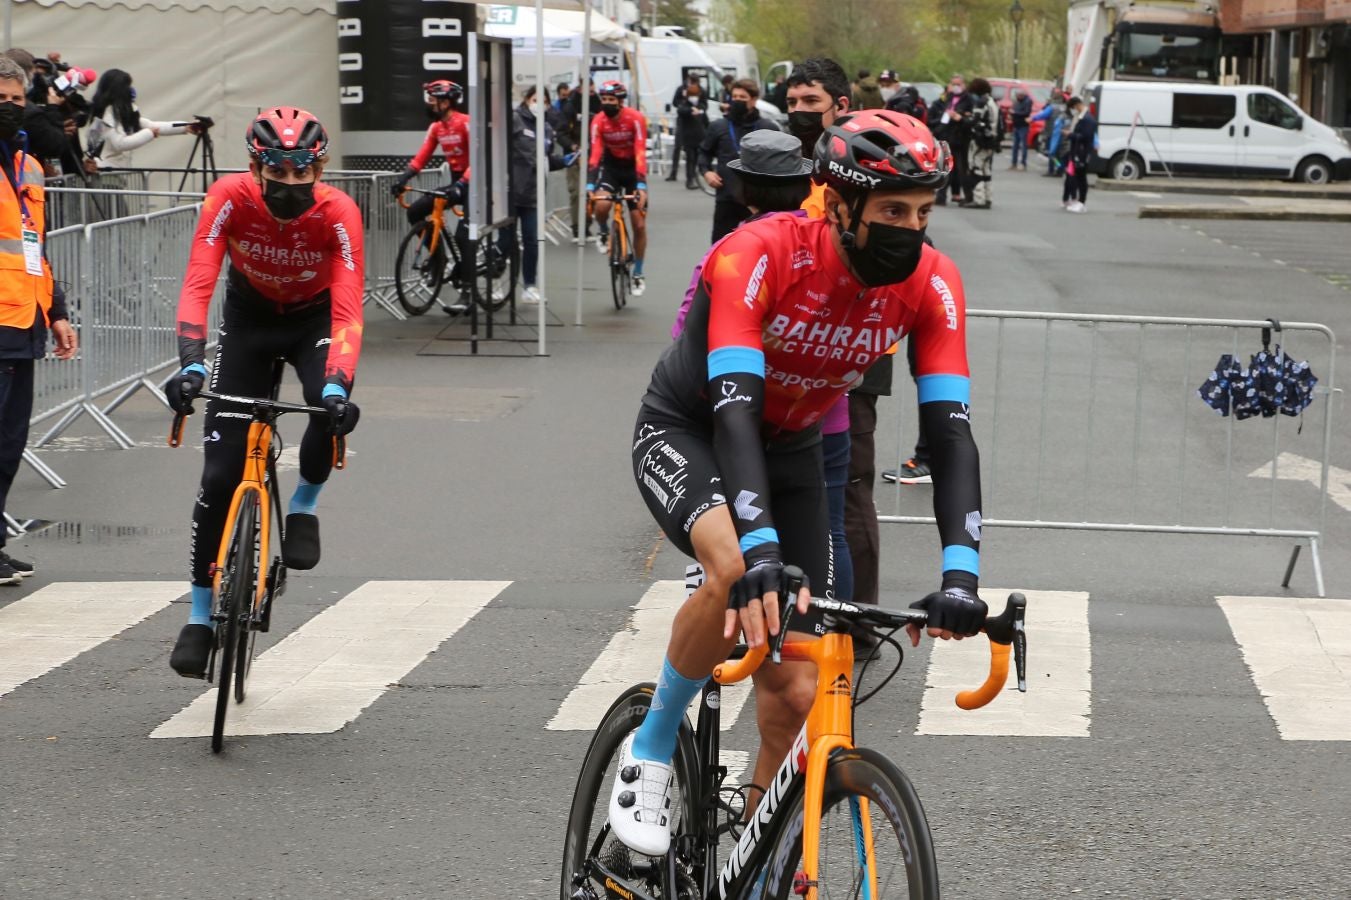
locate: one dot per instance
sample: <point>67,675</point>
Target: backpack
<point>987,127</point>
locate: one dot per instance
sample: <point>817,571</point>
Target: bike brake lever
<point>792,583</point>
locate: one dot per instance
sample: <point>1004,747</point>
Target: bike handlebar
<point>1005,631</point>
<point>276,407</point>
<point>437,193</point>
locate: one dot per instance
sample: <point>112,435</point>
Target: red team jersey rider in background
<point>619,163</point>
<point>293,292</point>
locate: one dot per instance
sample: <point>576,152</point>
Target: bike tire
<point>418,272</point>
<point>237,590</point>
<point>498,271</point>
<point>904,852</point>
<point>592,793</point>
<point>619,271</point>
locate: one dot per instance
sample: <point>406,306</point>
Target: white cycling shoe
<point>640,803</point>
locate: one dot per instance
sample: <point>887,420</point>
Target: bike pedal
<point>801,885</point>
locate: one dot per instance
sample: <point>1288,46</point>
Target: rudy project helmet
<point>881,150</point>
<point>286,133</point>
<point>613,89</point>
<point>443,89</point>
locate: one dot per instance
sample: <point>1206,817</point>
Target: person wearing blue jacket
<point>1059,117</point>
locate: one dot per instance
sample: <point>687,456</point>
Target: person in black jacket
<point>1019,114</point>
<point>569,135</point>
<point>524,197</point>
<point>1083,140</point>
<point>691,108</point>
<point>721,145</point>
<point>947,121</point>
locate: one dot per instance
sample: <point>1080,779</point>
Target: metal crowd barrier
<point>80,199</point>
<point>1107,407</point>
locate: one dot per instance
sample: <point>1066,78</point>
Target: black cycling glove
<point>399,185</point>
<point>185,387</point>
<point>761,577</point>
<point>955,608</point>
<point>343,414</point>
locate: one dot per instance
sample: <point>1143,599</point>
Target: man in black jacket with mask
<point>721,145</point>
<point>691,108</point>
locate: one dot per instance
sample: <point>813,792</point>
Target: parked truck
<point>1140,40</point>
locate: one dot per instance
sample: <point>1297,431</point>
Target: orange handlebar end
<point>735,670</point>
<point>999,673</point>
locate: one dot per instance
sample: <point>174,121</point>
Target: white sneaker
<point>530,296</point>
<point>602,244</point>
<point>640,803</point>
<point>639,285</point>
<point>1077,207</point>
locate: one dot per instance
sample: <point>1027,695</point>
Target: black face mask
<point>892,254</point>
<point>287,201</point>
<point>11,118</point>
<point>739,110</point>
<point>433,113</point>
<point>610,110</point>
<point>806,127</point>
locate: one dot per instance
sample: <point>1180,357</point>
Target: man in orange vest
<point>30,301</point>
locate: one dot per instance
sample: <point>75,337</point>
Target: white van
<point>1156,127</point>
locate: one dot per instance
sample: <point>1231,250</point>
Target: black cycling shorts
<point>615,177</point>
<point>678,476</point>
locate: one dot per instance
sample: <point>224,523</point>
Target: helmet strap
<point>848,235</point>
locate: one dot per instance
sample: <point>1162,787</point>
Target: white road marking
<point>737,763</point>
<point>633,655</point>
<point>1293,467</point>
<point>321,676</point>
<point>1299,652</point>
<point>1059,679</point>
<point>60,621</point>
<point>1146,195</point>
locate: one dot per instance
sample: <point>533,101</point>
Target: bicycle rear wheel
<point>590,850</point>
<point>236,591</point>
<point>868,800</point>
<point>496,272</point>
<point>418,271</point>
<point>619,268</point>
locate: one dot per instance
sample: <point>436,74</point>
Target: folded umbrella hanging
<point>1272,383</point>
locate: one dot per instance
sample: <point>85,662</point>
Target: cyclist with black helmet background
<point>619,163</point>
<point>293,292</point>
<point>788,313</point>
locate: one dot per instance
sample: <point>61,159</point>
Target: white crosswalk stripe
<point>60,621</point>
<point>1058,699</point>
<point>635,655</point>
<point>321,676</point>
<point>1298,650</point>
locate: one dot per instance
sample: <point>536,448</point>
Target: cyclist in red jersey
<point>789,312</point>
<point>293,292</point>
<point>449,135</point>
<point>619,162</point>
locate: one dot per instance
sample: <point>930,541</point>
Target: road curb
<point>1225,189</point>
<point>1275,213</point>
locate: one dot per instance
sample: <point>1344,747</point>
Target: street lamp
<point>1016,13</point>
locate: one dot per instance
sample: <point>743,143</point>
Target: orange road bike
<point>837,821</point>
<point>428,254</point>
<point>620,251</point>
<point>247,576</point>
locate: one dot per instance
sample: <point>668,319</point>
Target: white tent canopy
<point>563,30</point>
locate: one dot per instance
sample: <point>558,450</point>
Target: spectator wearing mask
<point>524,197</point>
<point>982,132</point>
<point>569,136</point>
<point>31,301</point>
<point>691,108</point>
<point>889,85</point>
<point>1019,114</point>
<point>867,94</point>
<point>947,117</point>
<point>53,123</point>
<point>1083,140</point>
<point>1056,114</point>
<point>117,126</point>
<point>725,97</point>
<point>721,145</point>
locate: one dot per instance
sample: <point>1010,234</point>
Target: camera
<point>204,122</point>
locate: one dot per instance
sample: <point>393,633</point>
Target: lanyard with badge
<point>32,241</point>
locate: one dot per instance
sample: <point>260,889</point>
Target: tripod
<point>208,148</point>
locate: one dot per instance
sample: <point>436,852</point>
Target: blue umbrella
<point>1272,383</point>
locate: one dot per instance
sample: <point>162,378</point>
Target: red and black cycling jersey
<point>779,328</point>
<point>621,141</point>
<point>449,135</point>
<point>317,257</point>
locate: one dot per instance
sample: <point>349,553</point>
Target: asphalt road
<point>515,469</point>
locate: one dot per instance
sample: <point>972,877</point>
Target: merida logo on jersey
<point>949,304</point>
<point>757,277</point>
<point>817,338</point>
<point>218,223</point>
<point>345,245</point>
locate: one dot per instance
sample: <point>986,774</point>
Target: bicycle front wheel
<point>591,850</point>
<point>619,268</point>
<point>875,839</point>
<point>236,605</point>
<point>418,271</point>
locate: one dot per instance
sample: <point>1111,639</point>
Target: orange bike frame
<point>254,481</point>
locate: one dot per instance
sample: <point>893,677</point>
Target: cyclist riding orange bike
<point>293,292</point>
<point>788,314</point>
<point>618,163</point>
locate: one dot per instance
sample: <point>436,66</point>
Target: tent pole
<point>9,23</point>
<point>541,167</point>
<point>584,158</point>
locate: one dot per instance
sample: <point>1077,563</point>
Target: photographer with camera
<point>118,127</point>
<point>53,123</point>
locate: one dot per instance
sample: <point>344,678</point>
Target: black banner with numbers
<point>387,49</point>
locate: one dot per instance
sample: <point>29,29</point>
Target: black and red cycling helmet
<point>881,150</point>
<point>613,89</point>
<point>443,89</point>
<point>287,133</point>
